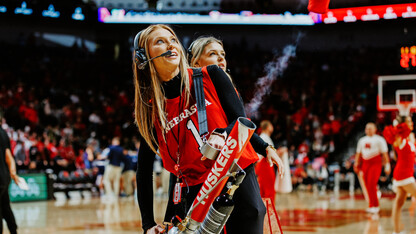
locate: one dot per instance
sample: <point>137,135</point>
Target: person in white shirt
<point>269,182</point>
<point>371,156</point>
<point>266,175</point>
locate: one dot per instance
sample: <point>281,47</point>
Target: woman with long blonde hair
<point>165,113</point>
<point>209,50</point>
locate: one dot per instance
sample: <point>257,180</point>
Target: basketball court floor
<point>300,212</point>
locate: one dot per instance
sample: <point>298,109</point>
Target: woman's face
<point>213,54</point>
<point>160,41</point>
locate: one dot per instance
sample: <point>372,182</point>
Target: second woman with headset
<point>208,50</point>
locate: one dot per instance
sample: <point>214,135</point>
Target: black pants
<point>6,212</point>
<point>249,211</point>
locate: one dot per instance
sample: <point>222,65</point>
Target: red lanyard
<point>177,162</point>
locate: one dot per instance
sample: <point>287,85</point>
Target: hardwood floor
<point>300,212</point>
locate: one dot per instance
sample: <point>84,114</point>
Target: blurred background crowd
<point>62,106</point>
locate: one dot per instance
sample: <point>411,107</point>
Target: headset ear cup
<point>136,57</point>
<point>141,56</point>
<point>189,55</point>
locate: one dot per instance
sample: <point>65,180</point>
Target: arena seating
<point>61,103</point>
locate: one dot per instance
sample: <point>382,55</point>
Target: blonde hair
<point>150,100</point>
<point>197,48</point>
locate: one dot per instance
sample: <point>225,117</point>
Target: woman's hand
<point>216,140</point>
<point>155,230</point>
<point>15,178</point>
<point>387,168</point>
<point>356,169</point>
<point>272,157</point>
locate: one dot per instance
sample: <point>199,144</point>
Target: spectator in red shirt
<point>51,147</point>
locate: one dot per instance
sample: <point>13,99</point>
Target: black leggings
<point>6,212</point>
<point>249,211</point>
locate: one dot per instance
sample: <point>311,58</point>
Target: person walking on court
<point>369,160</point>
<point>129,171</point>
<point>112,173</point>
<point>7,172</point>
<point>265,174</point>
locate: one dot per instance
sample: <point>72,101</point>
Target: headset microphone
<point>143,64</point>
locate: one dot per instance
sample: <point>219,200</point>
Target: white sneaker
<point>373,210</point>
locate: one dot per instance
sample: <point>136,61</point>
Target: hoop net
<point>404,107</point>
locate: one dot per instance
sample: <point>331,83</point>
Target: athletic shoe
<point>373,210</point>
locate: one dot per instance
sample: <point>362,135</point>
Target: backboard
<point>395,92</point>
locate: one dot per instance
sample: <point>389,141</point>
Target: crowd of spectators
<point>62,106</point>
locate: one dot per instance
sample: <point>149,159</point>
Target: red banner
<point>367,13</point>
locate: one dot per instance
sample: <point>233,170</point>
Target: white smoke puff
<point>274,69</point>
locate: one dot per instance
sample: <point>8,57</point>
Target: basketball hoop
<point>397,93</point>
<point>405,101</point>
<point>404,108</point>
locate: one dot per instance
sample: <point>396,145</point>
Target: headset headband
<point>190,55</point>
<point>136,40</point>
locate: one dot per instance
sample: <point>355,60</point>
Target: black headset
<point>139,53</point>
<point>189,51</point>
